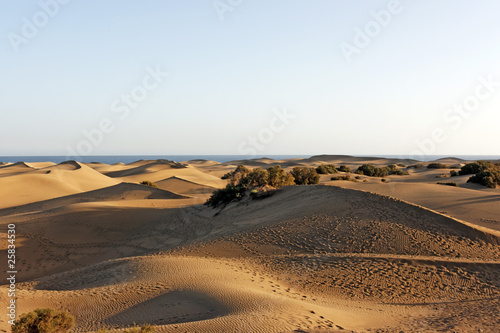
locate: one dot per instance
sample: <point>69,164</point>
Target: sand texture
<point>365,256</point>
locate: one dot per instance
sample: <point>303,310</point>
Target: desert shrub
<point>416,166</point>
<point>278,177</point>
<point>372,171</point>
<point>326,169</point>
<point>148,183</point>
<point>357,177</point>
<point>401,165</point>
<point>257,177</point>
<point>44,321</point>
<point>476,167</point>
<point>305,175</point>
<point>453,173</point>
<point>344,168</point>
<point>225,195</point>
<point>243,179</point>
<point>448,183</point>
<point>435,165</point>
<point>237,174</point>
<point>341,177</point>
<point>489,178</point>
<point>383,180</point>
<point>394,170</point>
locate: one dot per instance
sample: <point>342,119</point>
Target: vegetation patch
<point>326,169</point>
<point>260,183</point>
<point>485,173</point>
<point>435,165</point>
<point>148,183</point>
<point>373,171</point>
<point>44,321</point>
<point>448,183</point>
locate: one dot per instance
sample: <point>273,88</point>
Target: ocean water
<point>111,159</point>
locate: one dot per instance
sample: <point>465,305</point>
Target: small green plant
<point>453,173</point>
<point>148,183</point>
<point>44,321</point>
<point>448,183</point>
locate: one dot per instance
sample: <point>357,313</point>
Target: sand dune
<point>50,182</point>
<point>123,191</point>
<point>406,254</point>
<point>182,186</point>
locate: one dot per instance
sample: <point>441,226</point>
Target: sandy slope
<point>307,259</point>
<point>33,185</point>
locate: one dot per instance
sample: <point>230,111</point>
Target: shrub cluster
<point>476,167</point>
<point>484,173</point>
<point>326,169</point>
<point>373,171</point>
<point>44,321</point>
<point>435,165</point>
<point>243,179</point>
<point>344,168</point>
<point>306,176</point>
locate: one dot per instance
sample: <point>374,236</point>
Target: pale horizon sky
<point>228,78</point>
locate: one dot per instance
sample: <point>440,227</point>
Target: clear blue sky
<point>227,76</point>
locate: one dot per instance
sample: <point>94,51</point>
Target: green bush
<point>476,167</point>
<point>257,177</point>
<point>416,166</point>
<point>435,165</point>
<point>344,168</point>
<point>485,173</point>
<point>489,178</point>
<point>372,171</point>
<point>224,196</point>
<point>44,321</point>
<point>305,175</point>
<point>448,183</point>
<point>394,170</point>
<point>326,169</point>
<point>148,183</point>
<point>453,173</point>
<point>235,176</point>
<point>278,177</point>
<point>243,178</point>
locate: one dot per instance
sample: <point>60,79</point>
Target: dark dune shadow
<point>171,308</point>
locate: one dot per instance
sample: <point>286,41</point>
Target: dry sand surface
<point>364,256</point>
